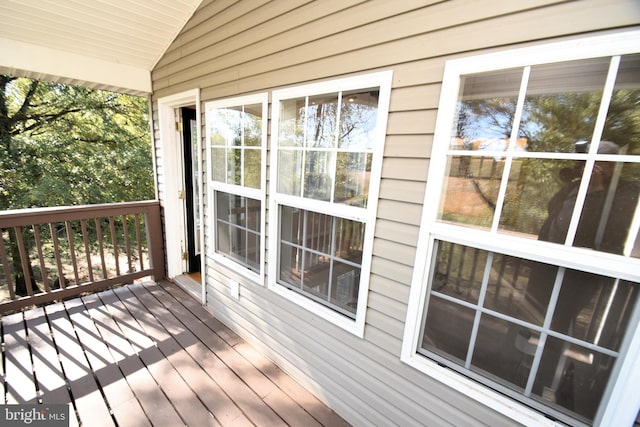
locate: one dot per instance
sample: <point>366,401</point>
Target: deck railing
<point>49,254</point>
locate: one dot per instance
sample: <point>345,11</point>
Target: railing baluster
<point>127,243</point>
<point>24,258</point>
<point>87,251</point>
<point>62,282</point>
<point>114,242</point>
<point>72,251</point>
<point>5,265</point>
<point>43,268</point>
<point>139,240</point>
<point>105,274</point>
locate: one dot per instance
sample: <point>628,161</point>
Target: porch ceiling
<point>110,44</point>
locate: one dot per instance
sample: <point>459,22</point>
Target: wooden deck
<point>147,354</point>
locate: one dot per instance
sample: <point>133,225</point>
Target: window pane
<point>219,164</point>
<point>504,351</point>
<point>290,270</point>
<point>609,208</point>
<point>253,215</point>
<point>471,190</point>
<point>252,167</point>
<point>318,232</point>
<point>253,250</point>
<point>622,125</point>
<point>358,116</point>
<point>234,166</point>
<point>225,125</point>
<point>459,271</point>
<point>485,110</point>
<point>349,240</point>
<point>319,171</point>
<point>447,329</point>
<point>252,125</point>
<point>291,123</point>
<point>316,275</point>
<point>594,308</point>
<point>353,171</point>
<point>572,378</point>
<point>238,229</point>
<point>533,193</point>
<point>321,121</point>
<point>517,289</point>
<point>290,172</point>
<point>346,282</point>
<point>562,104</point>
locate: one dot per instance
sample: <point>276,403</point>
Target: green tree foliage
<point>66,145</point>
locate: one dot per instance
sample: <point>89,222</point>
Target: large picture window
<point>528,278</point>
<point>236,147</point>
<point>326,160</point>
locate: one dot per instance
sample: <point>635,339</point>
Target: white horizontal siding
<point>270,46</point>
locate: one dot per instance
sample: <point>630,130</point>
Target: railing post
<point>155,241</point>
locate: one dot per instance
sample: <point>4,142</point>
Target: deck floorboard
<point>147,354</point>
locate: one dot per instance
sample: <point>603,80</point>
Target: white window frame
<point>366,215</point>
<point>622,400</point>
<point>239,190</point>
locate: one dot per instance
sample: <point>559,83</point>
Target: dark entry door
<point>192,188</point>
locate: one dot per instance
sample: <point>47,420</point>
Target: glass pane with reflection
<point>345,282</point>
<point>252,167</point>
<point>471,190</point>
<point>458,271</point>
<point>252,124</point>
<point>594,308</point>
<point>234,166</point>
<point>318,178</point>
<point>562,103</point>
<point>290,171</point>
<point>609,208</point>
<point>485,110</point>
<point>622,126</point>
<point>353,171</point>
<point>539,189</point>
<point>291,123</point>
<point>358,117</point>
<point>505,351</point>
<point>447,329</point>
<point>572,378</point>
<point>515,289</point>
<point>321,115</point>
<point>219,164</point>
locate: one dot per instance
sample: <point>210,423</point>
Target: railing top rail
<point>23,217</point>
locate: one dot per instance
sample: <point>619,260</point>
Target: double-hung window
<point>326,156</point>
<point>527,273</point>
<point>236,150</point>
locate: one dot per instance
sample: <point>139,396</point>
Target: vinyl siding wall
<point>232,48</point>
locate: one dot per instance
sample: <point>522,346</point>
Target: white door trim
<point>171,182</point>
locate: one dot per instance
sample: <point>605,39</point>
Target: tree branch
<point>21,113</point>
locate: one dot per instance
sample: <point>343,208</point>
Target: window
<point>236,147</point>
<point>528,267</point>
<point>326,158</point>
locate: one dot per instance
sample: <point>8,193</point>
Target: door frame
<point>171,181</point>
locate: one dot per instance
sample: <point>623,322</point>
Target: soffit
<point>128,35</point>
